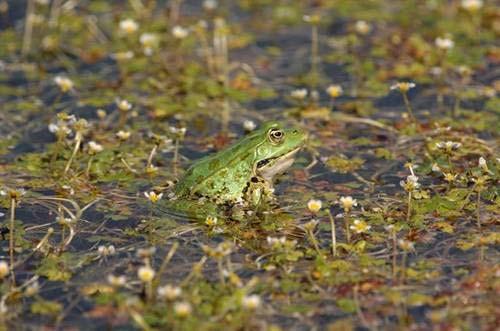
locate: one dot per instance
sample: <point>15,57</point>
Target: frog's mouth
<point>268,168</point>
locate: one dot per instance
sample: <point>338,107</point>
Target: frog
<point>243,174</point>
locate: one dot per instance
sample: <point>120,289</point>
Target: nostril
<point>295,132</point>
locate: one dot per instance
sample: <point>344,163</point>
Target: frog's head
<point>277,149</point>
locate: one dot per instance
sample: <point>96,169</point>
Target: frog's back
<point>221,175</point>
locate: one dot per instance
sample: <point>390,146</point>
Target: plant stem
<point>314,57</point>
<point>28,27</point>
<point>334,237</point>
<point>314,241</point>
<point>403,268</point>
<point>409,109</point>
<point>408,212</point>
<point>478,209</point>
<point>347,232</point>
<point>78,141</point>
<point>176,156</point>
<point>11,239</point>
<point>89,165</point>
<point>394,255</point>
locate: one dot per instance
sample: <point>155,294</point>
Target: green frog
<point>243,173</point>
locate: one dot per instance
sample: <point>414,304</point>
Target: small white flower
<point>179,32</point>
<point>123,105</point>
<point>299,94</point>
<point>403,86</point>
<point>129,26</point>
<point>275,242</point>
<point>148,39</point>
<point>145,274</point>
<point>314,205</point>
<point>448,145</point>
<point>347,203</point>
<point>362,27</point>
<point>334,91</point>
<point>169,292</point>
<point>482,164</point>
<point>32,289</point>
<point>249,125</point>
<point>121,56</point>
<point>211,221</point>
<point>406,245</point>
<point>444,43</point>
<point>153,197</point>
<point>123,135</point>
<point>251,302</point>
<point>209,4</point>
<point>360,226</point>
<point>436,168</point>
<point>472,5</point>
<point>64,83</point>
<point>106,250</point>
<point>94,147</point>
<point>4,269</point>
<point>182,309</point>
<point>117,281</point>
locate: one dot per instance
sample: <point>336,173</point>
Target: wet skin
<point>243,173</point>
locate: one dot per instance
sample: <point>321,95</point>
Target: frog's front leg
<point>259,191</point>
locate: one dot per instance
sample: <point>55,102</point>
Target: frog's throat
<point>276,166</point>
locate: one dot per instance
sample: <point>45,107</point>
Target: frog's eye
<point>276,136</point>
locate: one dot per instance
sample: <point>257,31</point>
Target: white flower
<point>347,203</point>
<point>209,4</point>
<point>117,281</point>
<point>436,168</point>
<point>94,147</point>
<point>129,26</point>
<point>314,205</point>
<point>360,226</point>
<point>180,132</point>
<point>4,269</point>
<point>64,83</point>
<point>145,274</point>
<point>472,5</point>
<point>482,164</point>
<point>334,91</point>
<point>444,43</point>
<point>249,125</point>
<point>251,302</point>
<point>169,292</point>
<point>276,242</point>
<point>406,245</point>
<point>123,135</point>
<point>403,86</point>
<point>153,197</point>
<point>123,105</point>
<point>182,309</point>
<point>120,56</point>
<point>448,145</point>
<point>32,289</point>
<point>362,27</point>
<point>411,183</point>
<point>299,94</point>
<point>211,221</point>
<point>106,250</point>
<point>148,41</point>
<point>179,32</point>
<point>59,130</point>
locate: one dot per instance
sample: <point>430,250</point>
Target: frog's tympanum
<point>243,173</point>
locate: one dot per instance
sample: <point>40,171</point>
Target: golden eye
<point>276,136</point>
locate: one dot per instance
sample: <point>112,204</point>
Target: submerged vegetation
<point>387,220</point>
